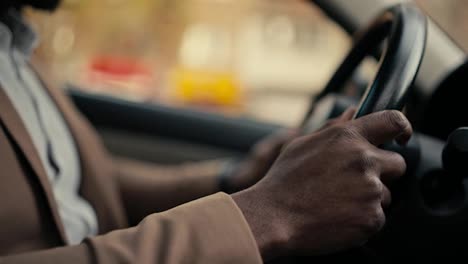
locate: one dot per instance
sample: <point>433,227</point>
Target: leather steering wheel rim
<point>405,29</point>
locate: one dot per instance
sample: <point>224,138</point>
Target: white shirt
<point>45,125</point>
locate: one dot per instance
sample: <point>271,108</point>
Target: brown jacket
<point>208,230</point>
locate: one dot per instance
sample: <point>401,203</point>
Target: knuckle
<point>344,132</point>
<point>374,184</point>
<point>374,220</point>
<point>262,151</point>
<point>400,163</point>
<point>364,160</point>
<point>261,154</point>
<point>396,119</point>
<point>386,197</point>
<point>296,144</point>
<point>374,187</point>
<point>336,129</point>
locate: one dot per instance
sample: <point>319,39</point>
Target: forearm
<point>209,230</point>
<point>148,188</point>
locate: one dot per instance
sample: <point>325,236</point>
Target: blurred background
<point>260,59</point>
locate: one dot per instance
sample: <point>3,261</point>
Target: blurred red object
<point>119,66</point>
<point>126,75</point>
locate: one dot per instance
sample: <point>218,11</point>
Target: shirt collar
<point>22,36</point>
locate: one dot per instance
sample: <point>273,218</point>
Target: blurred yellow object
<point>205,87</point>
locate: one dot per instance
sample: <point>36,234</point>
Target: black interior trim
<point>154,149</point>
<point>447,108</point>
<point>238,134</point>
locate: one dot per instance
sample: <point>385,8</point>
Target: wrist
<point>264,224</point>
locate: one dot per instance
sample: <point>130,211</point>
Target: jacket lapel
<point>16,129</point>
<point>97,185</point>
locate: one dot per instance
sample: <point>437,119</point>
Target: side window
<point>251,58</point>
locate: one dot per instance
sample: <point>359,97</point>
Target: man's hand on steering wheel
<point>326,191</point>
<point>252,169</point>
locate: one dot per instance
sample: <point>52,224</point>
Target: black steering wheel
<point>404,28</point>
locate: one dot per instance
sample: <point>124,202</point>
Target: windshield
<point>451,16</point>
<point>259,59</point>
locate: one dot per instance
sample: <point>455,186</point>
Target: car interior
<point>419,69</point>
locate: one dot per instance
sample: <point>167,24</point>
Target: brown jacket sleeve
<point>148,188</point>
<point>208,230</point>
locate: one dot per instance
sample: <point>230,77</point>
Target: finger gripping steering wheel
<point>405,29</point>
